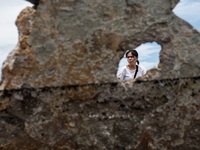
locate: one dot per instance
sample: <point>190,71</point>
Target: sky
<point>188,10</point>
<point>9,11</point>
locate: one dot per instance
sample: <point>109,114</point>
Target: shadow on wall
<point>148,55</point>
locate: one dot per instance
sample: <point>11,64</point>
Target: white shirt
<point>126,74</point>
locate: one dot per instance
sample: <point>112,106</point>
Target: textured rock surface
<point>58,87</point>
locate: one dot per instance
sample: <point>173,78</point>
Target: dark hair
<point>134,53</point>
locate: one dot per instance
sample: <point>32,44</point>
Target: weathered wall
<point>59,89</point>
<point>76,42</point>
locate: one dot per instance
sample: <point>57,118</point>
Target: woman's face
<point>131,59</point>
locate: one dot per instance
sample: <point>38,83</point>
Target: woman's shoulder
<point>141,67</point>
<point>124,67</point>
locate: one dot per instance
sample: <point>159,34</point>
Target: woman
<point>132,70</point>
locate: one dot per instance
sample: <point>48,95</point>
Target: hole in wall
<point>188,10</point>
<point>148,55</point>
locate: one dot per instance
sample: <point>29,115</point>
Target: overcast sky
<point>9,11</point>
<point>8,14</point>
<point>188,10</point>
